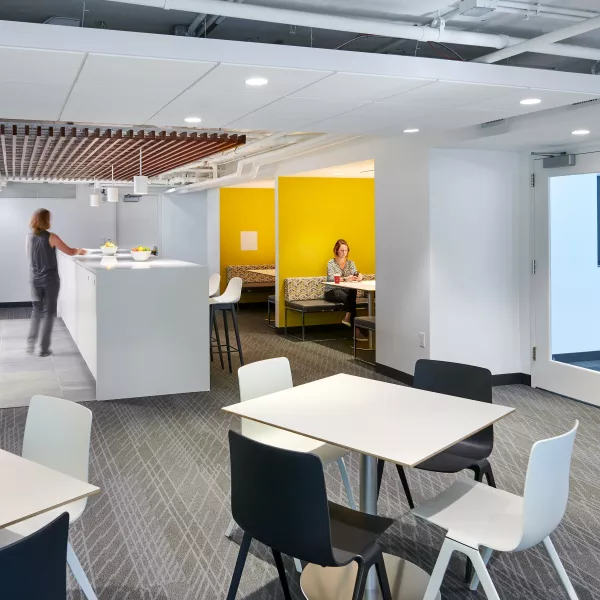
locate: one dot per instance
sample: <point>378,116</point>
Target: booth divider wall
<point>246,209</point>
<point>314,212</point>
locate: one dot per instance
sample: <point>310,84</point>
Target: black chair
<point>464,381</point>
<point>35,567</point>
<point>278,498</point>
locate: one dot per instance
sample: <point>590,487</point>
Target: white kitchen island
<point>141,327</point>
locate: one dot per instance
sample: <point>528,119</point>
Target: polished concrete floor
<point>156,530</point>
<point>64,374</point>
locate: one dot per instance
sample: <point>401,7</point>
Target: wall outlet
<point>422,340</point>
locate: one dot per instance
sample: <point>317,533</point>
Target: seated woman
<point>346,270</point>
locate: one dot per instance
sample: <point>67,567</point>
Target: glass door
<point>566,283</point>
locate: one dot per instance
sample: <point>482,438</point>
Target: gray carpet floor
<point>156,530</point>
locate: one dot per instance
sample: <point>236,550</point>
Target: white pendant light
<point>112,193</point>
<point>95,196</point>
<point>140,182</point>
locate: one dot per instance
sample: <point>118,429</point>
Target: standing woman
<point>44,279</point>
<point>344,268</point>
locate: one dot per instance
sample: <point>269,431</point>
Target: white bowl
<point>141,256</point>
<point>109,251</point>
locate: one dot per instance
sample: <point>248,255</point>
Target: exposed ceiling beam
<point>392,29</point>
<point>539,43</point>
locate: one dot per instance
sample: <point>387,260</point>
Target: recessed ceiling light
<point>411,131</point>
<point>192,119</point>
<point>529,101</point>
<point>580,132</point>
<point>257,81</point>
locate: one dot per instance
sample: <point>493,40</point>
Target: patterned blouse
<point>334,269</point>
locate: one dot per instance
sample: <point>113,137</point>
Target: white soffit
<point>136,79</point>
<point>359,170</point>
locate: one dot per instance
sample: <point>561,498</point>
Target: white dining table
<point>399,424</point>
<point>30,489</point>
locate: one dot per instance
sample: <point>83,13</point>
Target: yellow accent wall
<point>246,209</point>
<point>315,212</point>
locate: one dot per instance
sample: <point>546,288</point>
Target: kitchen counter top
<point>95,261</point>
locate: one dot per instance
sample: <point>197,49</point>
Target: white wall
<point>138,223</point>
<point>575,275</point>
<point>73,219</point>
<point>185,229</point>
<point>475,258</point>
<point>213,230</point>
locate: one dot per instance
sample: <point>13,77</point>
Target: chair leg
<point>298,565</point>
<point>346,481</point>
<point>560,569</point>
<point>480,570</point>
<point>487,553</point>
<point>285,323</point>
<point>239,566</point>
<point>79,574</point>
<point>237,337</point>
<point>380,467</point>
<point>384,583</point>
<point>282,576</point>
<point>439,570</point>
<point>489,475</point>
<point>303,336</point>
<point>404,481</point>
<point>226,325</point>
<point>218,337</point>
<point>230,528</point>
<point>361,581</point>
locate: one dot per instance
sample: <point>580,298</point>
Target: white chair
<point>477,515</point>
<point>267,377</point>
<point>213,284</point>
<point>226,303</point>
<point>57,435</point>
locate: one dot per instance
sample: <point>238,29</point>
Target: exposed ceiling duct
<point>392,29</point>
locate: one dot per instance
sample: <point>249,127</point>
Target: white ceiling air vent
<point>585,102</point>
<point>494,123</point>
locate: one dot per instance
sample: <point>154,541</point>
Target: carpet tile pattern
<point>156,530</point>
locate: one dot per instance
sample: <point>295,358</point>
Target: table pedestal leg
<point>407,581</point>
<point>371,311</point>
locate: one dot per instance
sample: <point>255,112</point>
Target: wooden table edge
<point>41,512</point>
<point>409,465</point>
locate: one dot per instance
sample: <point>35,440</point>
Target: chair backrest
<point>36,566</point>
<point>279,497</point>
<point>57,435</point>
<point>213,284</point>
<point>259,379</point>
<point>546,487</point>
<point>463,381</point>
<point>232,293</point>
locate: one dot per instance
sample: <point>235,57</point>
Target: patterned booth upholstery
<point>307,295</point>
<point>251,279</point>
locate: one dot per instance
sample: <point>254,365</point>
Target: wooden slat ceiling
<point>57,153</point>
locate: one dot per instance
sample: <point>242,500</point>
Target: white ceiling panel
<point>450,93</point>
<point>127,106</point>
<point>231,79</point>
<point>549,98</point>
<point>39,66</point>
<point>258,122</point>
<point>306,108</point>
<point>369,118</point>
<point>353,86</point>
<point>32,101</point>
<point>129,71</point>
<point>215,110</point>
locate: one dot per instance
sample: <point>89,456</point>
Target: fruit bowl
<point>141,253</point>
<point>109,250</point>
